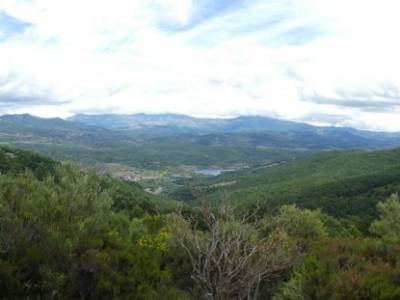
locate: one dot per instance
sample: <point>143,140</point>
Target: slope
<point>127,196</point>
<point>340,183</point>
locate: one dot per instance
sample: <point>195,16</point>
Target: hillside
<point>340,183</point>
<point>68,234</point>
<point>161,141</point>
<point>127,196</point>
<point>16,161</point>
<point>69,140</point>
<point>27,128</point>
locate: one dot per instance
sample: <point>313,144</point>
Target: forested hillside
<point>69,234</point>
<point>339,183</point>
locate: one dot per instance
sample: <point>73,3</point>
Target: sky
<point>325,62</point>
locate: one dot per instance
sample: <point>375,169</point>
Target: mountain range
<point>151,140</point>
<point>180,124</point>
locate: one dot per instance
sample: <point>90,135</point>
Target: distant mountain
<point>141,121</point>
<point>26,128</point>
<point>154,141</point>
<point>300,134</point>
<point>185,124</point>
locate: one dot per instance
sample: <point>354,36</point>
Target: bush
<point>59,238</point>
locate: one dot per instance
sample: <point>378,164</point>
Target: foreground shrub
<point>229,259</point>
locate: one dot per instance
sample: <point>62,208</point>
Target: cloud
<point>327,119</point>
<point>330,62</point>
<point>194,13</point>
<point>385,98</point>
<point>362,104</point>
<point>17,92</point>
<point>10,26</point>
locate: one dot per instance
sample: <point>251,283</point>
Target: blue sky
<point>11,26</point>
<point>319,61</point>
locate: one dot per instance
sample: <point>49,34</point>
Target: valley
<point>164,152</point>
<point>135,198</point>
<point>199,150</point>
<point>156,141</point>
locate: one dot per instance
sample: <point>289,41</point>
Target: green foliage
<point>68,234</point>
<point>351,268</point>
<point>308,227</point>
<point>301,224</point>
<point>128,197</point>
<point>15,161</point>
<point>59,238</point>
<point>344,227</point>
<point>341,184</point>
<point>388,225</point>
<point>346,269</point>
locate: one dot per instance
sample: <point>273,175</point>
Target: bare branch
<point>228,260</point>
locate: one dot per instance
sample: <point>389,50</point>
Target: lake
<point>212,172</point>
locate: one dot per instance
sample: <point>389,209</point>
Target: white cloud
<point>287,58</point>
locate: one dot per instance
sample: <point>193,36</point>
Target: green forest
<point>66,233</point>
<point>340,183</point>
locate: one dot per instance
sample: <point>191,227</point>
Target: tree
<point>345,268</point>
<point>388,225</point>
<point>302,225</point>
<point>229,260</point>
<point>60,239</point>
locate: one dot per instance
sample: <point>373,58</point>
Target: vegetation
<point>160,141</point>
<point>154,149</point>
<point>69,234</point>
<point>338,267</point>
<point>15,161</point>
<point>230,260</point>
<point>341,184</point>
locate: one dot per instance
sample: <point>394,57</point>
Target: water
<point>212,172</point>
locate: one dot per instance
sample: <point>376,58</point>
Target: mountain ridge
<point>172,140</point>
<point>170,118</point>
